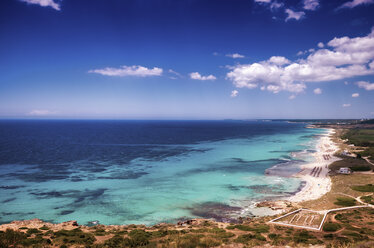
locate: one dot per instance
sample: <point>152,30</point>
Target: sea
<point>147,172</point>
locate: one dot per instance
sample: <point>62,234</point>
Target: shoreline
<point>315,174</point>
<point>315,180</point>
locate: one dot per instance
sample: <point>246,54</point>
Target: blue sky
<point>192,59</point>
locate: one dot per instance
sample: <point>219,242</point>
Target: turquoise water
<point>212,179</point>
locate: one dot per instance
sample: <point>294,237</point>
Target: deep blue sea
<point>122,172</point>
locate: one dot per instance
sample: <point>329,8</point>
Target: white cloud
<point>355,95</point>
<point>44,3</point>
<point>41,112</point>
<point>235,56</point>
<point>234,93</point>
<point>345,58</point>
<point>311,4</point>
<point>291,97</point>
<point>299,53</point>
<point>197,76</point>
<point>317,91</point>
<point>355,3</point>
<point>262,1</point>
<point>346,105</point>
<point>365,85</point>
<point>320,45</point>
<point>176,75</point>
<point>297,15</point>
<point>123,71</point>
<point>275,5</point>
<point>279,60</point>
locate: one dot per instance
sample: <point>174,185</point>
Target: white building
<point>345,170</point>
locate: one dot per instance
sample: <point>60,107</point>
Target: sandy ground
<point>315,174</point>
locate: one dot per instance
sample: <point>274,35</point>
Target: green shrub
<point>241,227</point>
<point>224,235</point>
<point>36,241</point>
<point>258,236</point>
<point>208,242</point>
<point>11,238</point>
<point>159,233</point>
<point>302,237</point>
<point>331,227</point>
<point>367,199</point>
<point>341,217</point>
<point>345,201</point>
<point>75,236</point>
<point>354,235</point>
<point>273,236</point>
<point>188,241</point>
<point>328,236</point>
<point>261,228</point>
<point>33,231</point>
<point>360,168</point>
<point>139,238</point>
<point>99,232</point>
<point>364,188</point>
<point>245,238</point>
<point>116,241</point>
<point>230,227</point>
<point>44,228</point>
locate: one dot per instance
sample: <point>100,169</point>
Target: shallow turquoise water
<point>216,178</point>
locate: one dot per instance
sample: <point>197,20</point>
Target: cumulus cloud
<point>355,95</point>
<point>355,3</point>
<point>235,56</point>
<point>198,76</point>
<point>279,60</point>
<point>234,93</point>
<point>365,85</point>
<point>317,91</point>
<point>291,97</point>
<point>346,105</point>
<point>297,15</point>
<point>123,71</point>
<point>44,3</point>
<point>320,45</point>
<point>345,58</point>
<point>41,112</point>
<point>311,4</point>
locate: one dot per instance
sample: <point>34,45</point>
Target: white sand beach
<point>315,174</point>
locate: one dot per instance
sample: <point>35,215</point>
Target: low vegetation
<point>364,188</point>
<point>338,231</point>
<point>368,199</point>
<point>355,164</point>
<point>331,227</point>
<point>360,137</point>
<point>345,201</point>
